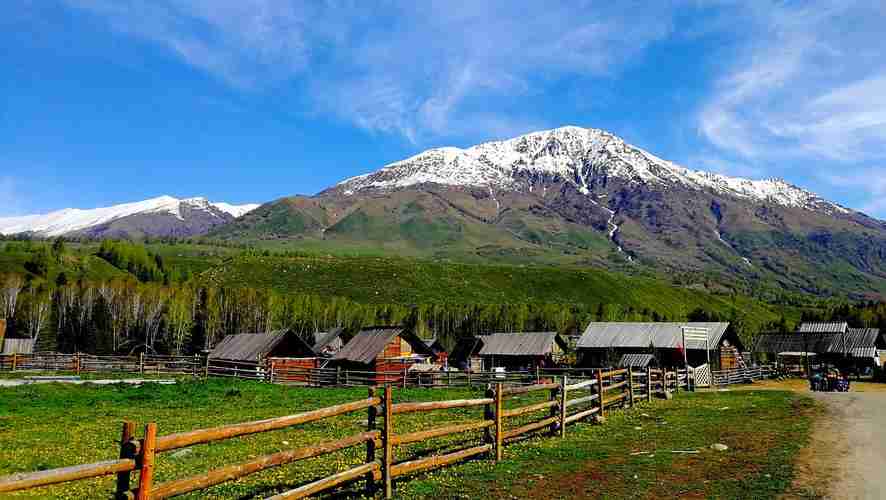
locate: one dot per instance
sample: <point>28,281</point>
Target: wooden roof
<point>856,342</point>
<point>370,343</point>
<point>823,327</point>
<point>520,344</point>
<point>255,346</point>
<point>603,335</point>
<point>637,361</point>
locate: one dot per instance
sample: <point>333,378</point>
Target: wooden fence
<point>742,375</point>
<point>270,371</point>
<point>568,401</point>
<point>87,363</point>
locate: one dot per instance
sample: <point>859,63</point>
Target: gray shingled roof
<point>366,345</point>
<point>859,342</point>
<point>823,327</point>
<point>636,360</point>
<point>252,346</point>
<point>519,344</point>
<point>369,343</point>
<point>17,346</point>
<point>662,335</point>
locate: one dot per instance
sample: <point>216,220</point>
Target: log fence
<point>741,375</point>
<point>81,363</point>
<point>199,366</point>
<point>505,417</point>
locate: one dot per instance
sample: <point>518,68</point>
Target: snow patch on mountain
<point>73,219</point>
<point>574,155</point>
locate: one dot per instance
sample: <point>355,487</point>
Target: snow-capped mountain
<point>161,216</point>
<point>585,197</point>
<point>582,157</point>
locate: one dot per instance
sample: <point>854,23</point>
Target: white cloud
<point>420,69</point>
<point>813,84</point>
<point>806,93</point>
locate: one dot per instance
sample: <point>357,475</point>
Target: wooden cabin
<point>813,344</point>
<point>604,344</point>
<point>387,352</point>
<point>261,352</point>
<point>521,350</point>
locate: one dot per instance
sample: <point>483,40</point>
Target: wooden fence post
<point>125,452</point>
<point>14,360</point>
<point>631,385</point>
<point>563,383</point>
<point>405,374</point>
<point>676,380</point>
<point>141,363</point>
<point>600,392</point>
<point>388,455</point>
<point>648,384</point>
<point>537,374</point>
<point>370,445</point>
<point>337,376</point>
<point>555,411</point>
<point>499,422</point>
<point>146,462</point>
<point>469,378</point>
<point>206,368</point>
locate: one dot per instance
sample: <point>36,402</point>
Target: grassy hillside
<point>405,281</point>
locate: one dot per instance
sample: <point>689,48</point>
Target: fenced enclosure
<point>282,373</point>
<point>87,363</point>
<point>505,413</point>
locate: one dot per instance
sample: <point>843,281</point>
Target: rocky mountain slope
<point>583,196</point>
<point>162,216</point>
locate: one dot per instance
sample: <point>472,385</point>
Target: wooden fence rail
<point>567,402</point>
<point>198,366</point>
<point>80,363</point>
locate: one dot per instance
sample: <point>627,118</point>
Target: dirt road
<point>846,458</point>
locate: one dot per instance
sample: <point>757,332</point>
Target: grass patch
<point>54,425</point>
<point>764,431</point>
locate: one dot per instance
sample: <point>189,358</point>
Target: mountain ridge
<point>500,163</point>
<point>73,221</point>
<point>585,197</point>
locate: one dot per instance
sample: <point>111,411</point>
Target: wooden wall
<point>289,369</point>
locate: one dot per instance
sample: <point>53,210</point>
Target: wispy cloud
<point>806,92</point>
<point>419,69</point>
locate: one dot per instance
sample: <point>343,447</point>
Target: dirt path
<point>846,458</point>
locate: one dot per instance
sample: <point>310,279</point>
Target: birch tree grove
<point>12,286</point>
<point>124,317</point>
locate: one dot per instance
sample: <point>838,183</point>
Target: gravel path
<point>846,458</point>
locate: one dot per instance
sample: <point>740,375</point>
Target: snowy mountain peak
<point>574,155</point>
<point>70,220</point>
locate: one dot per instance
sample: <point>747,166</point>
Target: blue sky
<point>108,101</point>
